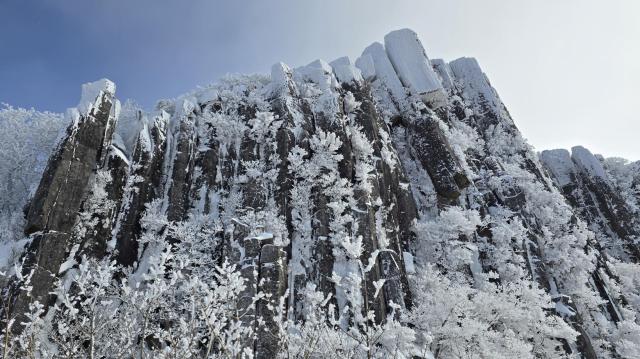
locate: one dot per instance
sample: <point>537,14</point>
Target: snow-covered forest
<point>382,208</point>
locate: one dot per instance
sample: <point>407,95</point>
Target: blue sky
<point>567,70</point>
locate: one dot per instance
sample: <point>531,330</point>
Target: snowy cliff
<point>386,207</point>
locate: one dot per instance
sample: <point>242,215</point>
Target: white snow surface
<point>280,75</point>
<point>366,66</point>
<point>409,264</point>
<point>318,72</point>
<point>384,70</point>
<point>410,61</point>
<point>587,162</point>
<point>92,91</point>
<point>444,72</point>
<point>117,151</point>
<point>559,164</point>
<point>475,84</point>
<point>130,123</point>
<point>346,72</point>
<point>144,137</point>
<point>264,236</point>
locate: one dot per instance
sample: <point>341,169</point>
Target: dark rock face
<point>65,179</point>
<point>438,159</point>
<point>55,208</point>
<point>318,171</point>
<point>45,254</point>
<point>143,185</point>
<point>101,209</point>
<point>273,283</point>
<point>182,170</point>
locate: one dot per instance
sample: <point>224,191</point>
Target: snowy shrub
<point>27,137</point>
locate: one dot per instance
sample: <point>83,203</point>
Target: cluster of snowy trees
<point>26,140</point>
<point>183,304</point>
<point>626,177</point>
<point>500,267</point>
<point>180,304</point>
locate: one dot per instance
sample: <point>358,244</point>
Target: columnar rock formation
<point>83,156</point>
<point>312,175</point>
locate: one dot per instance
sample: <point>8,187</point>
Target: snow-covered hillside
<point>386,207</point>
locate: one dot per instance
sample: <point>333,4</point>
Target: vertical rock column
<point>63,187</point>
<point>295,131</point>
<point>436,156</point>
<point>143,185</point>
<point>272,283</point>
<point>183,162</point>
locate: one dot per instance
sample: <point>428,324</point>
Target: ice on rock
<point>72,116</point>
<point>264,236</point>
<point>180,110</point>
<point>280,76</point>
<point>444,72</point>
<point>145,138</point>
<point>587,162</point>
<point>365,64</point>
<point>207,95</point>
<point>128,127</point>
<point>409,263</point>
<point>413,67</point>
<point>116,151</point>
<point>475,84</point>
<point>318,72</point>
<point>559,163</point>
<point>186,106</point>
<point>384,70</point>
<point>345,72</point>
<point>92,92</point>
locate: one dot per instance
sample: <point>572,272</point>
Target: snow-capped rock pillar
<point>64,187</point>
<point>413,67</point>
<point>147,164</point>
<point>273,285</point>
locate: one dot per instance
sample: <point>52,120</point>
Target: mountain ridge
<point>375,188</point>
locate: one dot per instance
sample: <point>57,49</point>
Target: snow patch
<point>444,72</point>
<point>144,139</point>
<point>409,264</point>
<point>280,75</point>
<point>117,152</point>
<point>264,236</point>
<point>345,72</point>
<point>92,93</point>
<point>587,162</point>
<point>70,262</point>
<point>559,163</point>
<point>476,86</point>
<point>384,71</point>
<point>412,65</point>
<point>365,64</point>
<point>318,72</point>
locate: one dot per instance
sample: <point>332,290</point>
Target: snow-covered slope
<point>386,207</point>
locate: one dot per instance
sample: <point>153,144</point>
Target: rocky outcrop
<point>315,178</point>
<point>585,183</point>
<point>64,189</point>
<point>142,186</point>
<point>65,179</point>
